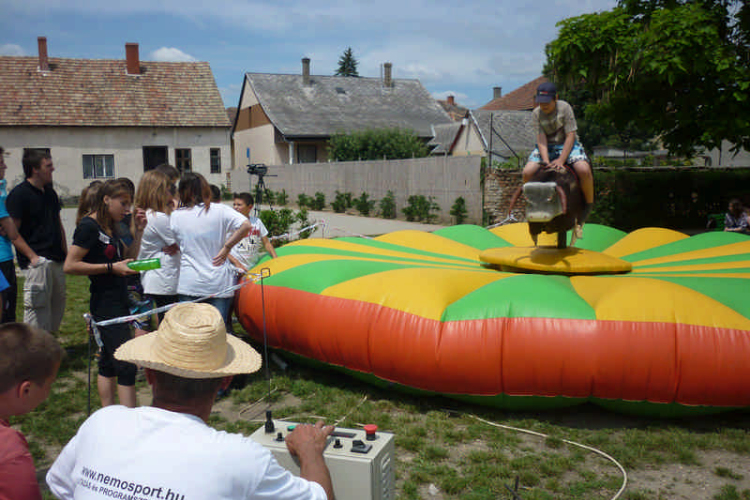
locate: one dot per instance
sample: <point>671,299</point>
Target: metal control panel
<point>361,462</point>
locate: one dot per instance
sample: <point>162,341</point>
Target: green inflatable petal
<point>522,296</point>
<point>473,236</point>
<point>317,276</point>
<point>598,238</point>
<point>697,242</point>
<point>398,248</point>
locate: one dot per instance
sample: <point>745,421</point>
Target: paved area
<point>336,224</point>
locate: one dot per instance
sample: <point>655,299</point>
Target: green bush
<point>378,144</point>
<point>673,198</point>
<point>421,208</point>
<point>283,221</point>
<point>304,201</point>
<point>458,210</point>
<point>388,206</point>
<point>282,198</point>
<point>342,202</point>
<point>319,202</point>
<point>363,204</point>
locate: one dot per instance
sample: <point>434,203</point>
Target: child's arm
<point>541,144</point>
<point>74,264</point>
<point>236,263</point>
<point>269,247</point>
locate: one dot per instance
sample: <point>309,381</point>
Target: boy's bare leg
<point>583,170</point>
<point>529,170</point>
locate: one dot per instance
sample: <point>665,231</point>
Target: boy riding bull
<point>557,143</point>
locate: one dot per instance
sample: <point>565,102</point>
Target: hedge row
<point>677,198</point>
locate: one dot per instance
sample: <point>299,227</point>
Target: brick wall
<point>499,186</point>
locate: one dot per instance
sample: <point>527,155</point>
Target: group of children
<point>203,247</point>
<point>191,237</point>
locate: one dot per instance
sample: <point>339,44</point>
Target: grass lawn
<point>446,449</point>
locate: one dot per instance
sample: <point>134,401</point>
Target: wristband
<point>109,268</point>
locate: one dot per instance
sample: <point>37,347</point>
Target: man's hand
<point>308,440</point>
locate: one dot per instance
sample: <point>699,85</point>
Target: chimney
<point>497,92</point>
<point>387,80</point>
<point>451,100</point>
<point>43,61</point>
<point>131,56</point>
<point>305,71</point>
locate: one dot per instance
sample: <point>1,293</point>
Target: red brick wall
<point>499,186</point>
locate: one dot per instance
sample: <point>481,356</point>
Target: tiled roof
<point>444,137</point>
<point>333,104</point>
<point>456,112</point>
<point>231,114</point>
<point>87,92</point>
<point>513,130</point>
<point>521,99</point>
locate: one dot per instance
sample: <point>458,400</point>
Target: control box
<point>361,461</point>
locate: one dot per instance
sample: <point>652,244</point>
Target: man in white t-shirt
<point>167,451</point>
<point>247,252</point>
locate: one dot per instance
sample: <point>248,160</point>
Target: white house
<point>288,119</point>
<point>103,119</point>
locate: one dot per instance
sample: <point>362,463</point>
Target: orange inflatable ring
<point>422,311</point>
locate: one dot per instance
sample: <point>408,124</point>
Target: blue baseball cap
<point>545,92</point>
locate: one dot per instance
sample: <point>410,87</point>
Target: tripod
<point>259,170</point>
<point>260,189</point>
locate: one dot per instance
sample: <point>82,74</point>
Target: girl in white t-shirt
<point>154,195</point>
<point>206,233</point>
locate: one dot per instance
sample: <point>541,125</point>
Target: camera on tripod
<point>258,169</point>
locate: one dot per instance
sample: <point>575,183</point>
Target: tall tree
<point>347,64</point>
<point>678,69</point>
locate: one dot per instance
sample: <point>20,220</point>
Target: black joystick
<point>269,423</point>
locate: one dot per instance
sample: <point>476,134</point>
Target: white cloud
<point>11,49</point>
<point>171,54</point>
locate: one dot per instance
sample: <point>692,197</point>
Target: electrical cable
<point>585,447</point>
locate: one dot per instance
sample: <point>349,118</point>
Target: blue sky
<point>459,48</point>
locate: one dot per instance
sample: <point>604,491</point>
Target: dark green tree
<point>347,64</point>
<point>674,69</point>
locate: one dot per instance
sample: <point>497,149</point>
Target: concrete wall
<point>445,178</point>
<point>68,145</point>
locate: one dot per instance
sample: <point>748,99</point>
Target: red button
<point>370,430</point>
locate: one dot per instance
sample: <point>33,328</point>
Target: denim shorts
<point>554,150</point>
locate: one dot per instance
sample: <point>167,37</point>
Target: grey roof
<point>444,136</point>
<point>512,131</point>
<point>334,104</point>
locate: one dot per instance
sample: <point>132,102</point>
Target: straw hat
<point>191,342</point>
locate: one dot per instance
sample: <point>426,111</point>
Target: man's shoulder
<point>564,106</point>
<point>20,188</point>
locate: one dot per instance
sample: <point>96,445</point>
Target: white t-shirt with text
<point>250,248</point>
<point>153,454</point>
